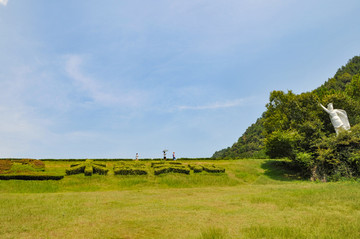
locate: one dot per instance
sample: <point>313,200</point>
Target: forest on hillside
<point>294,126</point>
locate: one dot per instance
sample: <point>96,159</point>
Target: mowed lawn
<point>253,199</point>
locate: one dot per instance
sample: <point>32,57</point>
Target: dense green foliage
<point>296,127</point>
<point>249,145</point>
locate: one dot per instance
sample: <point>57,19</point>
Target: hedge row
<point>213,169</point>
<point>130,169</point>
<point>100,169</point>
<point>30,177</point>
<point>75,170</point>
<point>196,168</point>
<point>88,168</point>
<point>171,169</point>
<point>207,168</point>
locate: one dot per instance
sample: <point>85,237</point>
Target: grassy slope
<point>253,200</point>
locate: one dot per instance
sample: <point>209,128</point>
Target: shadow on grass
<point>281,170</point>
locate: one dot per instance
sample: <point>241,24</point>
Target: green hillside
<point>296,127</point>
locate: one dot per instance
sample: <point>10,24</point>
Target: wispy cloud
<point>216,105</point>
<point>3,2</point>
<point>94,89</point>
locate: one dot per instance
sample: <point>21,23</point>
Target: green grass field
<point>253,199</point>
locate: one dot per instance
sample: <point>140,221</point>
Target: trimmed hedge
<point>213,169</point>
<point>100,169</point>
<point>130,169</point>
<point>99,164</point>
<point>75,170</point>
<point>171,169</point>
<point>30,177</point>
<point>153,164</point>
<point>198,169</point>
<point>88,168</point>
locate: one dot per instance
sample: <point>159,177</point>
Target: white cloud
<point>216,105</point>
<point>95,90</point>
<point>3,2</point>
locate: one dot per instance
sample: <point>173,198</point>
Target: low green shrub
<point>169,169</point>
<point>100,169</point>
<point>161,170</point>
<point>179,170</point>
<point>136,168</point>
<point>197,169</point>
<point>154,164</point>
<point>75,170</point>
<point>99,164</point>
<point>88,170</point>
<point>129,171</point>
<point>31,177</point>
<point>213,169</point>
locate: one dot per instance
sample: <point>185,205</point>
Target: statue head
<point>330,106</point>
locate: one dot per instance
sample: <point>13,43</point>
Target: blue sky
<point>109,79</point>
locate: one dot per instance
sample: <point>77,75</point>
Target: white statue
<point>338,118</point>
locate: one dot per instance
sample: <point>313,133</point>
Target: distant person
<point>137,156</point>
<point>174,156</point>
<point>164,154</point>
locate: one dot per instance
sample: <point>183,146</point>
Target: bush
<point>31,177</point>
<point>88,168</point>
<point>305,162</point>
<point>179,170</point>
<point>153,164</point>
<point>173,169</point>
<point>161,170</point>
<point>198,169</point>
<point>100,170</point>
<point>75,170</point>
<point>280,144</point>
<point>213,169</point>
<point>99,164</point>
<point>339,156</point>
<point>130,169</point>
